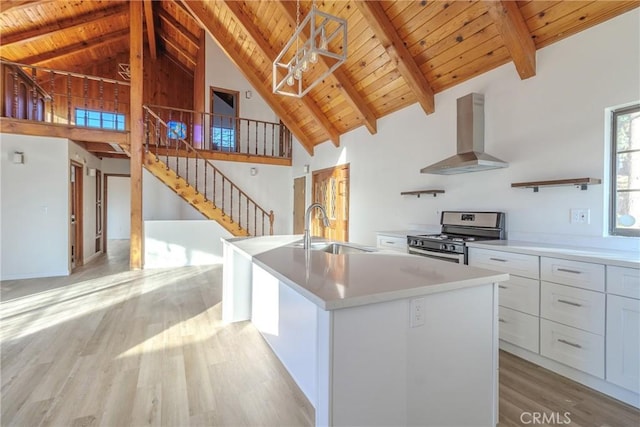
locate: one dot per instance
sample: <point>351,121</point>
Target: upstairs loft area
<point>94,112</point>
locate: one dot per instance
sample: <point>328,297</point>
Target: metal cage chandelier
<point>319,34</point>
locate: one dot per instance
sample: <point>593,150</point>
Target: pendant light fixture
<point>327,36</point>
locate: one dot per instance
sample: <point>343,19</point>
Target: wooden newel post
<point>271,218</point>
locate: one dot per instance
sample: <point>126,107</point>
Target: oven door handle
<point>457,257</point>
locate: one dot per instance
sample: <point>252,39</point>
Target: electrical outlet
<point>416,312</point>
<point>579,216</point>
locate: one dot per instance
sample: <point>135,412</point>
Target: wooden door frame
<point>105,201</point>
<point>236,107</point>
<point>332,169</point>
<point>79,211</point>
<point>304,201</point>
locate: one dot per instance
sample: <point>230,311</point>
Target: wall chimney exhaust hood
<point>470,155</point>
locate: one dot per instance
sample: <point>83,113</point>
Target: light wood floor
<point>107,346</point>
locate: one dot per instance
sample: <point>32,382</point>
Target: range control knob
<point>443,247</point>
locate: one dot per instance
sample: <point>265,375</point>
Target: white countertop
<point>349,280</point>
<point>596,255</point>
<point>251,246</point>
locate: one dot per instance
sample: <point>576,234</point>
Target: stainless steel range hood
<point>470,155</point>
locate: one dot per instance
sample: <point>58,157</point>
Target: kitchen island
<point>372,337</point>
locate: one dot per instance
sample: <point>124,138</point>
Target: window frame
<point>613,177</point>
<point>86,120</point>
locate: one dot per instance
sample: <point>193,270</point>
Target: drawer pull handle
<point>390,243</point>
<point>498,259</point>
<point>502,286</point>
<point>564,301</point>
<point>501,320</point>
<point>569,343</point>
<point>566,270</point>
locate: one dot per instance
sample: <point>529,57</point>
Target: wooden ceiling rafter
<point>76,48</point>
<point>516,36</point>
<point>151,28</point>
<point>173,22</point>
<point>177,61</point>
<point>210,24</point>
<point>179,49</point>
<point>55,27</point>
<point>349,92</point>
<point>268,52</point>
<point>384,30</point>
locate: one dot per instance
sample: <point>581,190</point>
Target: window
<point>224,109</point>
<point>99,119</point>
<point>625,172</point>
<point>176,130</point>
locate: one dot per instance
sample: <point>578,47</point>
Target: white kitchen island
<point>375,338</point>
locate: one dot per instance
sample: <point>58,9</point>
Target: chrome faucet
<point>307,219</point>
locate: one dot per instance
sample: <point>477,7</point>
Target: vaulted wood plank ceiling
<point>399,52</point>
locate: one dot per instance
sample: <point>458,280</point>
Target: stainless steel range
<point>457,229</point>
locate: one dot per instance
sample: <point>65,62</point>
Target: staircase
<point>194,178</point>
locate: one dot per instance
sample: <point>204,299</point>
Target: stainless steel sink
<point>336,248</point>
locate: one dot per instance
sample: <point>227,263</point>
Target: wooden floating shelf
<point>581,183</point>
<point>419,192</point>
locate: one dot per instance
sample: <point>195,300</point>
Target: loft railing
<point>188,163</point>
<point>63,97</point>
<point>216,132</point>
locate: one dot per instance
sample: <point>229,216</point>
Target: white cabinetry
<point>580,319</point>
<point>623,327</point>
<point>519,297</point>
<point>572,312</point>
<point>394,243</point>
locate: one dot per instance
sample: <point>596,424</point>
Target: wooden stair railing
<point>228,134</point>
<point>174,161</point>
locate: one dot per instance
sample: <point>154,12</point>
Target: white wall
<point>35,207</point>
<point>118,215</point>
<point>547,127</point>
<point>182,243</point>
<point>221,73</point>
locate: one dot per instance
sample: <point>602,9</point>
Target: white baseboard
<point>35,275</point>
<point>598,384</point>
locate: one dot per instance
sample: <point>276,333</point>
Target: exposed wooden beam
<point>136,63</point>
<point>112,155</point>
<point>176,61</point>
<point>151,28</point>
<point>199,89</point>
<point>173,22</point>
<point>71,24</point>
<point>384,30</point>
<point>267,50</point>
<point>515,33</point>
<point>98,147</point>
<point>76,48</point>
<point>345,86</point>
<point>179,48</point>
<point>208,21</point>
<point>25,127</point>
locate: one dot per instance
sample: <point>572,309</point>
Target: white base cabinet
<point>579,319</point>
<point>623,342</point>
<point>365,365</point>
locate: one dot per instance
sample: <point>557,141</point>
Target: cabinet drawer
<point>392,242</point>
<point>623,342</point>
<point>573,307</point>
<point>507,262</point>
<point>518,328</point>
<point>520,294</point>
<point>578,349</point>
<point>575,273</point>
<point>623,281</point>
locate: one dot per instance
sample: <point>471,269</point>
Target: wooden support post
<point>137,131</point>
<point>199,94</point>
